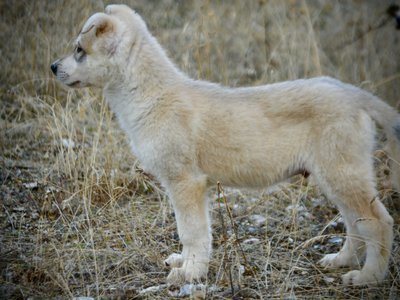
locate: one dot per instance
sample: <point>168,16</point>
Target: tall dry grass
<point>78,217</point>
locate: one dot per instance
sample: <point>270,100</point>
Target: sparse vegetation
<point>78,217</point>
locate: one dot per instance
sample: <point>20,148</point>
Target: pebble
<point>19,209</point>
<point>258,220</point>
<point>68,143</point>
<point>328,279</point>
<point>152,289</point>
<point>251,241</point>
<point>31,185</point>
<point>336,240</point>
<point>295,207</point>
<point>251,230</point>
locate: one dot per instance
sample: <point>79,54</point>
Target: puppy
<point>191,134</point>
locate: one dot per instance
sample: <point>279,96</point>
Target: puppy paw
<point>175,260</point>
<point>189,272</point>
<point>337,260</point>
<point>329,261</point>
<point>360,278</point>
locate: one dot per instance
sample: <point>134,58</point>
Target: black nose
<point>54,68</point>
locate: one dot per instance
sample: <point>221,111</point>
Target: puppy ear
<point>98,24</point>
<point>104,26</point>
<point>98,33</point>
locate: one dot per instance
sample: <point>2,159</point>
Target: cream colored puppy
<point>191,134</point>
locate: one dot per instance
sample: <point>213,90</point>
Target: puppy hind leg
<point>375,225</point>
<point>366,220</point>
<point>353,250</point>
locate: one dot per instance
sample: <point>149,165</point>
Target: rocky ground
<point>79,218</point>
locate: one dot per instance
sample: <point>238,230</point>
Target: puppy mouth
<point>74,84</point>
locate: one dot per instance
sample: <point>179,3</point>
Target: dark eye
<point>79,54</point>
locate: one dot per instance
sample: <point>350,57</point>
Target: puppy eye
<point>79,54</point>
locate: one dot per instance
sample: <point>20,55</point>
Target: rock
<point>52,189</point>
<point>242,269</point>
<point>336,240</point>
<point>68,143</point>
<point>328,279</point>
<point>19,209</point>
<point>258,220</point>
<point>295,207</point>
<point>35,215</point>
<point>251,241</point>
<point>152,289</point>
<point>31,185</point>
<point>251,230</point>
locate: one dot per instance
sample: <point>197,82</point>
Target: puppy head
<point>100,48</point>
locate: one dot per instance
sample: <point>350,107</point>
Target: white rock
<point>336,240</point>
<point>242,269</point>
<point>68,143</point>
<point>295,207</point>
<point>328,279</point>
<point>35,215</point>
<point>19,209</point>
<point>31,185</point>
<point>153,289</point>
<point>258,220</point>
<point>52,189</point>
<point>251,241</point>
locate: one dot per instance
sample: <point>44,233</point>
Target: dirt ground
<point>78,217</point>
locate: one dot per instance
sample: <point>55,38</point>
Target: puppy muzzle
<point>54,67</point>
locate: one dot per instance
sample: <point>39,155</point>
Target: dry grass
<point>78,217</point>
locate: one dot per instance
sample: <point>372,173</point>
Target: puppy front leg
<point>191,212</point>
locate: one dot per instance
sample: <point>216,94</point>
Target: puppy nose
<point>54,68</point>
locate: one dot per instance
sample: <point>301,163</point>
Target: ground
<point>78,216</point>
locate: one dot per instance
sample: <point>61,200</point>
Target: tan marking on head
<point>96,32</point>
<point>104,27</point>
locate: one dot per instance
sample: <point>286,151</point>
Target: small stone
<point>251,241</point>
<point>68,143</point>
<point>152,289</point>
<point>328,279</point>
<point>295,207</point>
<point>242,269</point>
<point>35,215</point>
<point>258,220</point>
<point>31,185</point>
<point>333,224</point>
<point>19,209</point>
<point>336,240</point>
<point>251,230</point>
<point>52,189</point>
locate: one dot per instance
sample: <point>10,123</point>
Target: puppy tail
<point>389,120</point>
<point>394,154</point>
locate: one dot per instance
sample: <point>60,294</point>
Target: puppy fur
<point>191,134</point>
